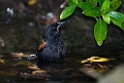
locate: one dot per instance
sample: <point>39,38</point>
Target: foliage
<point>102,10</point>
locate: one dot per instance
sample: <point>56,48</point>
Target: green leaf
<point>80,1</point>
<point>117,15</point>
<point>67,12</point>
<point>116,21</point>
<point>115,4</point>
<point>105,6</point>
<point>106,18</point>
<point>101,2</point>
<point>117,18</point>
<point>92,2</point>
<point>92,12</point>
<point>122,25</point>
<point>100,31</point>
<point>70,3</point>
<point>84,5</point>
<point>88,4</point>
<point>75,1</point>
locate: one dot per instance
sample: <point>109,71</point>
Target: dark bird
<point>52,48</point>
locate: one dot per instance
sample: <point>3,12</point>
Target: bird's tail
<point>31,57</point>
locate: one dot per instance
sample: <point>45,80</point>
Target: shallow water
<point>12,71</point>
<point>68,71</point>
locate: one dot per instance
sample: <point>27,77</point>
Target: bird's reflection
<point>55,71</point>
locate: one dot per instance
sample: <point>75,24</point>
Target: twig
<point>64,3</point>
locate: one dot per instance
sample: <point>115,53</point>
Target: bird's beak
<point>60,23</point>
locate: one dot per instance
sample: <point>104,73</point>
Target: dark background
<point>22,23</point>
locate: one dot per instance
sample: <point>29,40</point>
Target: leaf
<point>1,60</point>
<point>32,2</point>
<point>67,12</point>
<point>80,1</point>
<point>100,31</point>
<point>117,18</point>
<point>92,2</point>
<point>88,4</point>
<point>117,15</point>
<point>97,59</point>
<point>122,25</point>
<point>106,18</point>
<point>84,5</point>
<point>92,12</point>
<point>70,3</point>
<point>105,6</point>
<point>75,1</point>
<point>101,2</point>
<point>116,21</point>
<point>115,4</point>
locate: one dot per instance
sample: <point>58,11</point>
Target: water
<point>71,70</point>
<point>12,71</point>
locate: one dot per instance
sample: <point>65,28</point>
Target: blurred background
<point>22,23</point>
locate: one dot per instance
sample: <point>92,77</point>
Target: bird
<point>52,48</point>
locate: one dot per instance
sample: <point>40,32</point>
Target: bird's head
<point>52,30</point>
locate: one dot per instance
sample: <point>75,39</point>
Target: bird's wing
<point>42,45</point>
